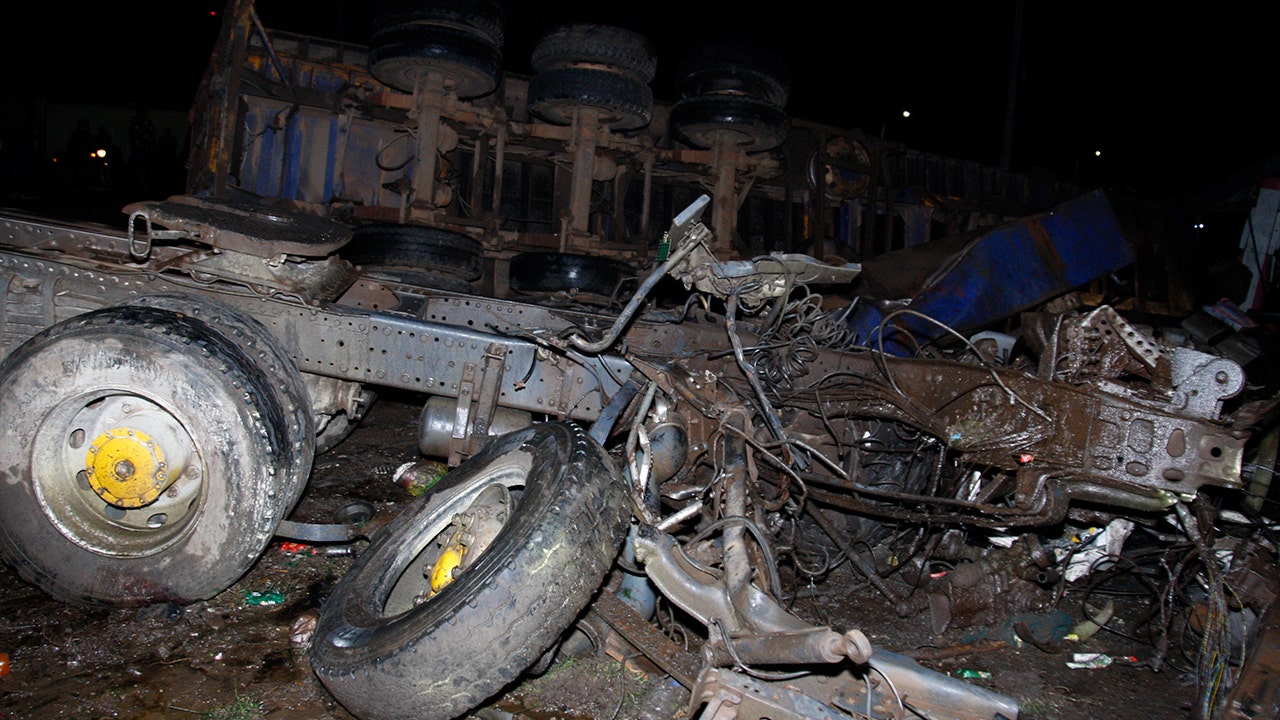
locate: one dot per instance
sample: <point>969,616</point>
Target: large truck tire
<point>621,101</point>
<point>412,251</point>
<point>587,45</point>
<point>259,344</point>
<point>466,63</point>
<point>146,458</point>
<point>424,627</point>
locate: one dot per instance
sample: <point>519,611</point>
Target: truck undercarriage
<point>165,389</point>
<point>631,418</point>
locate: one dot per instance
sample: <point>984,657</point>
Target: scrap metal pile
<point>649,479</point>
<point>647,471</point>
<point>763,444</point>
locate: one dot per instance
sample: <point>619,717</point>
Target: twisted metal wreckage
<point>165,389</point>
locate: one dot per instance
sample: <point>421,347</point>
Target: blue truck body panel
<point>994,275</point>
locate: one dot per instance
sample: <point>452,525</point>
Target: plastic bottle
<point>419,477</point>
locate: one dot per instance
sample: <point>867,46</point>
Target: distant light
<point>906,113</point>
<point>1097,153</point>
<point>100,153</point>
<point>213,13</point>
<point>1198,226</point>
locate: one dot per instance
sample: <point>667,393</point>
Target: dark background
<point>1170,107</point>
<point>1173,99</point>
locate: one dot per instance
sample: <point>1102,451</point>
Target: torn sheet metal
<point>967,283</point>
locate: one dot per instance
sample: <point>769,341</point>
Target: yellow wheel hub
<point>126,468</point>
<point>470,534</point>
<point>443,572</point>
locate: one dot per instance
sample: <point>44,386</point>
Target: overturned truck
<point>630,414</point>
<point>165,388</point>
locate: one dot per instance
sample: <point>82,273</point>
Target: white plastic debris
<point>1086,661</point>
<point>1004,541</point>
<point>1092,549</point>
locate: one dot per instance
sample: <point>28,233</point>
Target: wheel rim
<point>454,550</point>
<point>478,509</point>
<point>118,473</point>
<point>404,585</point>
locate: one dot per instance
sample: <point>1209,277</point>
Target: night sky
<point>1173,100</point>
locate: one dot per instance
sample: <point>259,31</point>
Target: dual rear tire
<point>150,452</point>
<point>599,67</point>
<point>457,41</point>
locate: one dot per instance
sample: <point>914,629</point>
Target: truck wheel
<point>747,122</point>
<point>140,460</point>
<point>469,586</point>
<point>483,18</point>
<point>587,45</point>
<point>550,272</point>
<point>465,62</point>
<point>406,251</point>
<point>260,345</point>
<point>624,102</point>
<point>734,69</point>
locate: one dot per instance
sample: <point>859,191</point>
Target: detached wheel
<point>468,587</point>
<point>141,458</point>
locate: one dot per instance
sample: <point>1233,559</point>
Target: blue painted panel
<point>320,156</point>
<point>998,274</point>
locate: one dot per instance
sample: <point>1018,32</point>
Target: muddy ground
<point>233,657</point>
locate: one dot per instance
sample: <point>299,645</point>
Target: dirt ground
<point>234,657</point>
